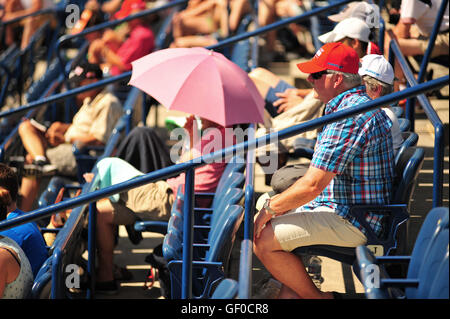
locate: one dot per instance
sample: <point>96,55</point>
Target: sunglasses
<point>318,75</point>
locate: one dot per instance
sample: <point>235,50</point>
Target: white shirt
<point>397,138</point>
<point>424,15</point>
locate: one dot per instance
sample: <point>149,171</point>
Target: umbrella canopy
<point>199,82</point>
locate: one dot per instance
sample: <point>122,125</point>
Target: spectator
<point>422,15</point>
<point>314,210</point>
<point>117,49</point>
<point>378,76</point>
<point>19,8</point>
<point>204,23</point>
<point>50,150</point>
<point>151,201</point>
<point>27,236</point>
<point>16,277</point>
<point>353,32</point>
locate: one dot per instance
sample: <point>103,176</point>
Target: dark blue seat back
<point>433,222</point>
<point>440,286</point>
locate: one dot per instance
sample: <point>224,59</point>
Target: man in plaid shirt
<point>353,163</point>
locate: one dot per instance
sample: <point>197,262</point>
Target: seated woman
<point>203,23</point>
<point>153,200</point>
<point>16,277</point>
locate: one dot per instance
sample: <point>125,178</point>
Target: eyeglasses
<point>318,75</point>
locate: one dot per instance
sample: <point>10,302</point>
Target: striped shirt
<point>359,151</point>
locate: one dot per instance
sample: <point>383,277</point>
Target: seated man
<point>353,163</point>
<point>27,236</point>
<point>50,150</point>
<point>378,77</point>
<point>152,201</point>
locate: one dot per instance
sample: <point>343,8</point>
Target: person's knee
<point>264,243</point>
<point>25,127</point>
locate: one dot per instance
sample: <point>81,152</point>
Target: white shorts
<point>318,227</point>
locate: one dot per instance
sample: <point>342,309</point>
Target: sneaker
<point>39,168</point>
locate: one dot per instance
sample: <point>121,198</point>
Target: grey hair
<point>372,84</point>
<point>350,80</point>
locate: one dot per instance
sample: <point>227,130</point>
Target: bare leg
<point>286,268</point>
<point>32,139</point>
<point>105,240</point>
<point>28,190</point>
<point>263,79</point>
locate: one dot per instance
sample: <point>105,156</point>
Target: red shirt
<point>140,42</point>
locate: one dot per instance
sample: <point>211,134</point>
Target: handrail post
<point>188,234</point>
<point>56,274</point>
<point>92,234</point>
<point>438,165</point>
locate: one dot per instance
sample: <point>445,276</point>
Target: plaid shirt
<point>359,150</point>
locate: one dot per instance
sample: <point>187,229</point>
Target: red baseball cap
<point>127,7</point>
<point>332,56</point>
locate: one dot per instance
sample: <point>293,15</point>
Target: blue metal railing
<point>250,145</point>
<point>224,153</point>
<point>438,163</point>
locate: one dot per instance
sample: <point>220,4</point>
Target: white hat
<point>378,67</point>
<point>361,10</point>
<point>353,28</point>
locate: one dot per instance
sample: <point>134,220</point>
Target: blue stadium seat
<point>226,289</point>
<point>404,124</point>
<point>209,270</point>
<point>428,264</point>
<point>398,111</point>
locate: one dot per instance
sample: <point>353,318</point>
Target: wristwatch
<point>268,209</point>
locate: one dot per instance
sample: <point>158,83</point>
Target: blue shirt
<point>29,238</point>
<point>359,151</point>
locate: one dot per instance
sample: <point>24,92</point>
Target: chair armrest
<point>397,213</point>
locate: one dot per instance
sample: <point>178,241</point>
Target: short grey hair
<point>372,84</point>
<point>350,80</point>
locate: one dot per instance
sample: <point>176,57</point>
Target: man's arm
<point>300,193</point>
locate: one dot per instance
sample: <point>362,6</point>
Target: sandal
<point>151,277</point>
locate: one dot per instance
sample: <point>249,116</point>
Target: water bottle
<point>315,270</point>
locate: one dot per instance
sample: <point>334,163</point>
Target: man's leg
<point>286,268</point>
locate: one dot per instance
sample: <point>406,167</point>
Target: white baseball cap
<point>353,28</point>
<point>357,9</point>
<point>378,67</point>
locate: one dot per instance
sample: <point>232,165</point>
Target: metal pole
<point>188,234</point>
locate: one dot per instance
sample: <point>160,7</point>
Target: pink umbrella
<point>200,82</point>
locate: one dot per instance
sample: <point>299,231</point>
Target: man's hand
<point>55,133</point>
<point>261,220</point>
<point>287,100</point>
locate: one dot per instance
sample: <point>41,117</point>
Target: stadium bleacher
<point>225,230</point>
